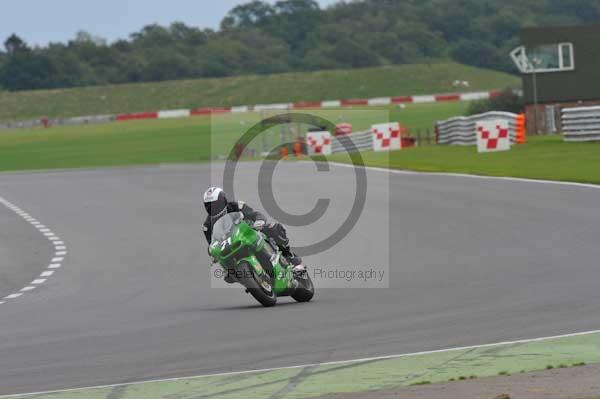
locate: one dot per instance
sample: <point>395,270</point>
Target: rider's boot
<point>294,260</point>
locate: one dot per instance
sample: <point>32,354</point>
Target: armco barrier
<point>21,124</point>
<point>79,120</point>
<point>83,120</point>
<point>461,130</point>
<point>581,124</point>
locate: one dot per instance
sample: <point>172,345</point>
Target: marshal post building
<point>560,67</point>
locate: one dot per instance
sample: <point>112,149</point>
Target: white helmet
<point>215,201</point>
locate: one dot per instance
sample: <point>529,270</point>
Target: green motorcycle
<point>251,259</point>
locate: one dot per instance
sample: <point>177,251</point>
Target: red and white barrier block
<point>493,135</point>
<point>387,137</point>
<point>319,143</point>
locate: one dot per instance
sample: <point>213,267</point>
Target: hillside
<point>267,37</point>
<point>245,90</point>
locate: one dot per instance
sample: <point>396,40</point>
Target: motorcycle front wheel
<point>305,290</point>
<point>260,287</point>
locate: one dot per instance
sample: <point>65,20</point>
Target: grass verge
<point>249,90</point>
<point>410,370</point>
<point>544,157</point>
<point>188,140</point>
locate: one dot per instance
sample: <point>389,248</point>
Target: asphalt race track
<point>471,261</point>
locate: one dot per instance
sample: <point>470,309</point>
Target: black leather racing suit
<point>274,231</point>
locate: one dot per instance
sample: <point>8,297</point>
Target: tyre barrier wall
<point>581,124</point>
<point>381,137</point>
<point>461,130</point>
<point>361,141</point>
<point>184,113</point>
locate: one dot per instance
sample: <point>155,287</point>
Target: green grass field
<point>201,139</point>
<point>249,90</point>
<point>544,157</point>
<point>175,140</point>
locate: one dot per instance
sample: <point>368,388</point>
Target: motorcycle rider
<point>217,205</point>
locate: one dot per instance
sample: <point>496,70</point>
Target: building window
<point>545,58</point>
<point>566,50</point>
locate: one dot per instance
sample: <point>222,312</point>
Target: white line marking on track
<point>513,179</point>
<point>58,257</point>
<point>334,363</point>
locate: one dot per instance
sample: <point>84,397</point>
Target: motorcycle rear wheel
<point>260,287</point>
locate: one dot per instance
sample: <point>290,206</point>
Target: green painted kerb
<point>361,376</point>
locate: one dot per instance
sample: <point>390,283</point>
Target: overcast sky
<point>42,21</point>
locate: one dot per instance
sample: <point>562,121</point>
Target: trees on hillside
<point>292,35</point>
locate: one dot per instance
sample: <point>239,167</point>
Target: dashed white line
<point>60,250</point>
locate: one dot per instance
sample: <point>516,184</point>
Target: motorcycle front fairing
<point>235,242</point>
